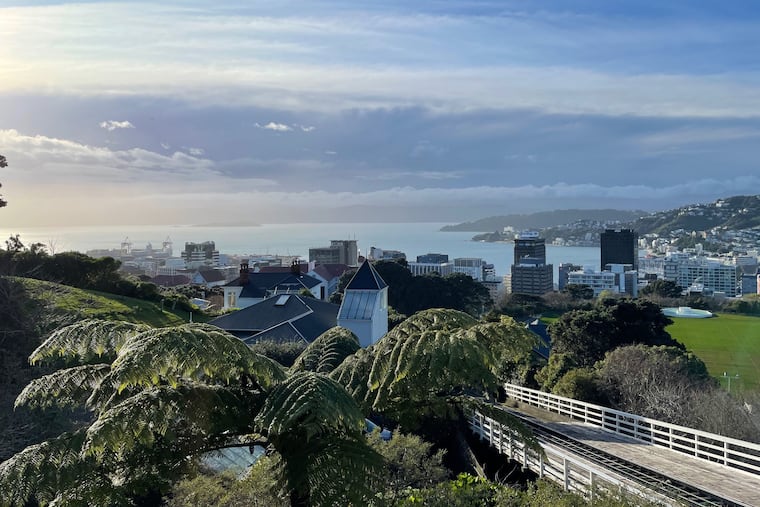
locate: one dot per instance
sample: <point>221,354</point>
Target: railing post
<point>480,425</point>
<point>566,474</point>
<point>541,466</point>
<point>591,485</point>
<point>725,453</point>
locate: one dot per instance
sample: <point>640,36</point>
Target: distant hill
<point>544,219</point>
<point>730,213</point>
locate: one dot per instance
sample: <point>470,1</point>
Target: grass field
<point>726,343</point>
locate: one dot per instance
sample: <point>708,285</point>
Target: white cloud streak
<point>320,62</point>
<point>111,125</point>
<point>276,127</point>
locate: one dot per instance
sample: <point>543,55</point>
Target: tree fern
<point>434,355</point>
<point>313,405</point>
<point>327,352</point>
<point>191,351</point>
<point>67,388</point>
<point>186,412</point>
<point>87,341</point>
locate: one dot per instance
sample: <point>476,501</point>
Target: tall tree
<point>167,396</point>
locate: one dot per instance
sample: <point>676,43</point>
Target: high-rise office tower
<point>620,246</point>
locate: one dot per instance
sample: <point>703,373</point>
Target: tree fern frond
<point>187,411</point>
<point>67,388</point>
<point>331,470</point>
<point>327,352</point>
<point>312,404</point>
<point>39,471</point>
<point>194,352</point>
<point>87,341</point>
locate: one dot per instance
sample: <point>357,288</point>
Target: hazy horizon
<point>193,112</point>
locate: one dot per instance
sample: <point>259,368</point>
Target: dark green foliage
<point>284,353</point>
<point>421,366</point>
<point>579,291</point>
<point>586,335</point>
<point>410,294</point>
<point>580,384</point>
<point>328,351</point>
<point>557,366</point>
<point>410,463</point>
<point>661,288</point>
<point>257,489</point>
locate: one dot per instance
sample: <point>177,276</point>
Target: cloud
<point>354,56</point>
<point>304,128</point>
<point>111,125</point>
<point>277,127</point>
<point>196,152</point>
<point>166,146</point>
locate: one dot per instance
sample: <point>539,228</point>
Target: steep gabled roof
<point>366,278</point>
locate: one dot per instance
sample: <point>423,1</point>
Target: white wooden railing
<point>555,464</point>
<point>726,451</point>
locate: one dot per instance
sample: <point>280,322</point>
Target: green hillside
<point>735,213</point>
<point>543,219</point>
<point>726,343</point>
<point>65,301</point>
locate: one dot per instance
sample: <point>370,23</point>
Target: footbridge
<point>589,449</point>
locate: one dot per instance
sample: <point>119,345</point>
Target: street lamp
<point>729,377</point>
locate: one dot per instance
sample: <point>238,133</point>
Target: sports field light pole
<point>729,377</point>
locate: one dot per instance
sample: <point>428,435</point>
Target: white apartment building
<point>597,280</point>
<point>713,274</point>
<point>471,266</point>
<point>425,268</point>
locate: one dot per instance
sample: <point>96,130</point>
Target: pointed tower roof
<point>366,278</point>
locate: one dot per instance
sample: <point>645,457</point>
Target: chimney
<point>244,272</point>
<point>295,267</point>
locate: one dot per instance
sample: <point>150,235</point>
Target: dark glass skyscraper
<point>620,246</point>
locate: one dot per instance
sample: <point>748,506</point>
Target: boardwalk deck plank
<point>741,487</point>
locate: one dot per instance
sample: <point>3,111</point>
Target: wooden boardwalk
<point>735,485</point>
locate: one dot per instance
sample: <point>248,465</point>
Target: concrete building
<point>599,281</point>
<point>530,274</point>
<point>432,258</point>
<point>340,251</point>
<point>380,254</point>
<point>426,268</point>
<point>715,275</point>
<point>364,309</point>
<point>471,266</point>
<point>619,246</point>
<point>200,254</point>
<point>565,269</point>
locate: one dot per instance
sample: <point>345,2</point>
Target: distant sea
<point>296,239</point>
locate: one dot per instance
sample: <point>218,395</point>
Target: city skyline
<point>207,112</point>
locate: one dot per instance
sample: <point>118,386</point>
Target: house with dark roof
<point>330,274</point>
<point>364,309</point>
<point>282,318</point>
<point>209,277</point>
<point>251,288</point>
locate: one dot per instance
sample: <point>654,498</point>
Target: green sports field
<point>726,343</point>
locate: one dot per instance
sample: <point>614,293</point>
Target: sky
<point>206,112</point>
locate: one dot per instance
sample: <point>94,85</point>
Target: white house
<point>365,305</point>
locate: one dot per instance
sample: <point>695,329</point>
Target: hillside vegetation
<point>543,219</point>
<point>733,213</point>
<point>29,310</point>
